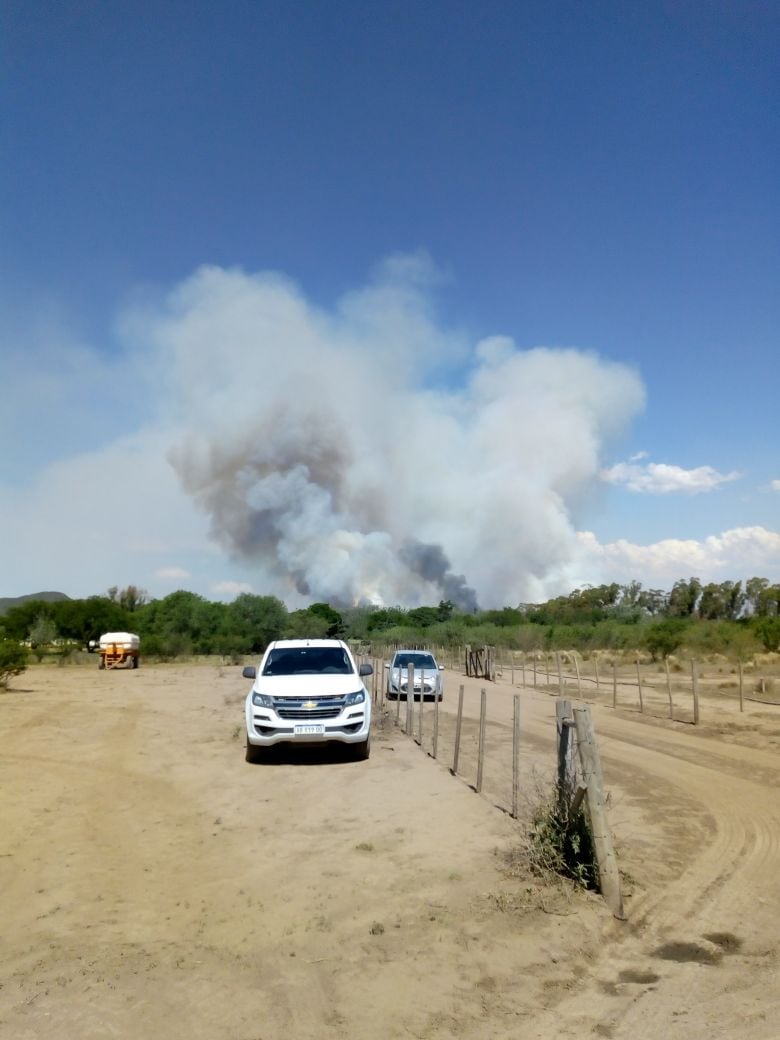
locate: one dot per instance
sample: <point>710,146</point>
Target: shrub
<point>13,660</point>
<point>664,637</point>
<point>561,843</point>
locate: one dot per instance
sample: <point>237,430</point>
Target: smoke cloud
<point>366,453</point>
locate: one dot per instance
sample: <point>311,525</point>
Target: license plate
<point>309,730</point>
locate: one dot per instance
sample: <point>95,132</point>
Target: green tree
<point>664,637</point>
<point>132,597</point>
<point>260,619</point>
<point>43,632</point>
<point>85,619</point>
<point>18,621</point>
<point>721,602</point>
<point>385,618</point>
<point>754,591</point>
<point>769,601</point>
<point>684,597</point>
<point>335,621</point>
<point>768,631</point>
<point>303,624</point>
<point>180,623</point>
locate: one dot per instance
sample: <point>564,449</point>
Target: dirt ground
<point>154,885</point>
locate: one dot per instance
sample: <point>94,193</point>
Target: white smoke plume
<point>366,454</point>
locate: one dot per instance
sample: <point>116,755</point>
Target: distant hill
<point>16,601</point>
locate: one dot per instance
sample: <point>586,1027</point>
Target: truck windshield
<point>308,660</point>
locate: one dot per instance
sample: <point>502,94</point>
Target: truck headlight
<point>262,700</point>
<point>355,698</point>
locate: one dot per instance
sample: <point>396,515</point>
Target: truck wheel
<point>363,750</point>
<point>253,754</point>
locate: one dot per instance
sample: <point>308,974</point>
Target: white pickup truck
<point>307,691</point>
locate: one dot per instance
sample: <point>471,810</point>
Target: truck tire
<point>360,752</point>
<point>253,754</point>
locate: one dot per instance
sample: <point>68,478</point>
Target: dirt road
<point>154,885</point>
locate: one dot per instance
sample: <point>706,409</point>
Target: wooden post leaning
<point>695,685</point>
<point>609,875</point>
<point>564,751</point>
<point>420,709</point>
<point>458,728</point>
<point>481,746</point>
<point>436,727</point>
<point>516,759</point>
<point>410,700</point>
<point>397,695</point>
<point>639,684</point>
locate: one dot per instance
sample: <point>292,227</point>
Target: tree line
<point>729,617</point>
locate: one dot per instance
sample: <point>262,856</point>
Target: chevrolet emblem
<point>310,704</point>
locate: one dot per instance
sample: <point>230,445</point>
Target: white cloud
<point>102,518</point>
<point>172,573</point>
<point>659,478</point>
<point>738,553</point>
<point>775,485</point>
<point>230,589</point>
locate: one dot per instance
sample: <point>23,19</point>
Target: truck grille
<point>323,707</point>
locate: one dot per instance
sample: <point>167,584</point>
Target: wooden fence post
<point>741,687</point>
<point>561,686</point>
<point>596,668</point>
<point>564,747</point>
<point>609,875</point>
<point>614,685</point>
<point>639,684</point>
<point>577,669</point>
<point>522,665</point>
<point>516,759</point>
<point>397,695</point>
<point>436,727</point>
<point>481,746</point>
<point>669,688</point>
<point>458,727</point>
<point>534,671</point>
<point>420,709</point>
<point>409,699</point>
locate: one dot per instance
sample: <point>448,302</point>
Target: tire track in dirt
<point>728,873</point>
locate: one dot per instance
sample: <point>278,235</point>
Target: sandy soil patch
<point>155,885</point>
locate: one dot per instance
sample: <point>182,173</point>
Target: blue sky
<point>216,220</point>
